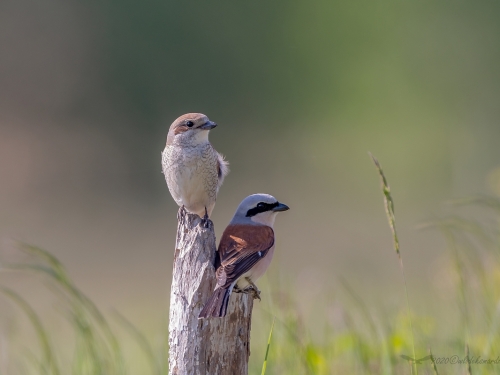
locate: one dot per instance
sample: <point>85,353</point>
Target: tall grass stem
<point>389,210</point>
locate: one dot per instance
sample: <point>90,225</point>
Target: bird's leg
<point>253,289</point>
<point>246,290</point>
<point>236,289</point>
<point>181,214</point>
<point>205,221</point>
<point>249,289</point>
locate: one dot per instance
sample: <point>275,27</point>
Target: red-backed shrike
<point>245,251</point>
<point>194,171</point>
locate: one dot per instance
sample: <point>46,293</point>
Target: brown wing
<point>240,248</point>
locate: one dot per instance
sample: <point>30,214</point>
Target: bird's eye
<point>189,123</point>
<point>261,205</point>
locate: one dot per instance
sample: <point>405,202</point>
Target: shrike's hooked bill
<point>194,171</point>
<point>245,251</point>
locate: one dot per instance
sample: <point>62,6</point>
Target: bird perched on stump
<point>245,251</point>
<point>194,171</point>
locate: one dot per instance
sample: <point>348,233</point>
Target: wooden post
<point>216,346</point>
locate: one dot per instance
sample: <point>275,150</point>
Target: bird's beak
<point>208,125</point>
<point>281,207</point>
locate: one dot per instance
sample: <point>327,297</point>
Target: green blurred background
<point>301,92</point>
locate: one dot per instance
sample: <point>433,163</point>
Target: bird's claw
<point>254,292</point>
<point>205,220</point>
<point>237,290</point>
<point>181,214</point>
<point>252,289</point>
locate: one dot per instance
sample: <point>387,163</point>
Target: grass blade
<point>389,210</point>
<point>467,355</point>
<point>100,348</point>
<point>264,365</point>
<point>434,367</point>
<point>49,361</point>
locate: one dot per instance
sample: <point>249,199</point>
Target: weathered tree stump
<point>215,346</point>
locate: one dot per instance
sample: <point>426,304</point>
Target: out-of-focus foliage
<point>301,92</point>
<point>356,338</point>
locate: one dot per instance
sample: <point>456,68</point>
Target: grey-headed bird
<point>194,171</point>
<point>245,251</point>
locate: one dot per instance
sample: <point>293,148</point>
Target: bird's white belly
<point>190,191</point>
<point>257,270</point>
<point>192,179</point>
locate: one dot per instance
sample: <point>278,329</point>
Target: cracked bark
<point>216,346</point>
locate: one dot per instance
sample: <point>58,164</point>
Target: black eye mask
<point>261,207</point>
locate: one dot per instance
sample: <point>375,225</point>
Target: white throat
<point>265,218</point>
<point>192,138</point>
<point>200,137</point>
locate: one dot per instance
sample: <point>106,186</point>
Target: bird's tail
<point>216,306</point>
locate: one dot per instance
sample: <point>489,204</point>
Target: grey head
<point>190,129</point>
<point>258,209</point>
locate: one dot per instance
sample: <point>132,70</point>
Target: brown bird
<point>194,171</point>
<point>245,251</point>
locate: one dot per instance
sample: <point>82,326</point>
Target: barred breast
<point>192,176</point>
